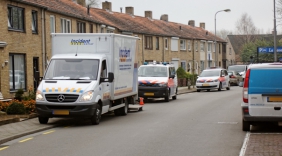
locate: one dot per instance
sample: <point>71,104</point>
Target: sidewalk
<point>13,127</point>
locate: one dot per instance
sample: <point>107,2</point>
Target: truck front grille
<point>63,98</point>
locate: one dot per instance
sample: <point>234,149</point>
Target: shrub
<point>19,94</point>
<point>29,106</point>
<point>181,73</point>
<point>16,108</point>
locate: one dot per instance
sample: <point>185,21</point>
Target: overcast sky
<point>181,11</point>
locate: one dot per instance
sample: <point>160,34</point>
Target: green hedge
<point>181,73</point>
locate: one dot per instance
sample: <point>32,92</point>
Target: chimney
<point>81,2</point>
<point>191,23</point>
<point>129,10</point>
<point>203,25</point>
<point>107,6</point>
<point>164,17</point>
<point>148,14</point>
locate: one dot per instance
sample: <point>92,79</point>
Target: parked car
<point>241,69</point>
<point>213,78</point>
<point>235,77</point>
<point>262,95</point>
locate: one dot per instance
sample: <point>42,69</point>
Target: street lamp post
<point>275,46</point>
<point>216,54</point>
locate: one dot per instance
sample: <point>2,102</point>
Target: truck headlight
<point>39,96</point>
<point>87,96</point>
<point>163,85</point>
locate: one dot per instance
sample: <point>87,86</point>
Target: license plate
<point>61,112</point>
<point>206,84</point>
<point>149,94</point>
<point>275,99</point>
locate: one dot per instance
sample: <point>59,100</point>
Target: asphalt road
<point>196,124</point>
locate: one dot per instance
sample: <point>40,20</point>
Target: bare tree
<point>93,3</point>
<point>223,33</point>
<point>279,11</point>
<point>245,32</point>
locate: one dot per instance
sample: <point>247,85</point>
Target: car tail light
<point>246,87</point>
<point>232,76</point>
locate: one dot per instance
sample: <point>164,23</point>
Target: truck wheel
<point>43,120</point>
<point>167,97</point>
<point>246,125</point>
<point>219,87</point>
<point>95,119</point>
<point>198,90</point>
<point>228,88</point>
<point>123,110</point>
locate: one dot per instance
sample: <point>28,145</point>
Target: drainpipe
<point>143,59</point>
<point>193,64</point>
<point>43,40</point>
<point>163,49</point>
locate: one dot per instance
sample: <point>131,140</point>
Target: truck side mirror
<point>111,77</point>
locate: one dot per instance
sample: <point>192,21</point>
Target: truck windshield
<point>152,71</point>
<point>210,73</point>
<point>239,68</point>
<point>74,69</point>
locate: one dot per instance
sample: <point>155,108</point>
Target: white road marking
<point>244,147</point>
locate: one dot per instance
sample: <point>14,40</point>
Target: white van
<point>262,95</point>
<point>157,80</point>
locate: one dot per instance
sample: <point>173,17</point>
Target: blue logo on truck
<point>81,42</point>
<point>124,55</point>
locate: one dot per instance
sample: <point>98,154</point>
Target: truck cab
<point>157,80</point>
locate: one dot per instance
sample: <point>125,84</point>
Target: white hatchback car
<point>213,78</point>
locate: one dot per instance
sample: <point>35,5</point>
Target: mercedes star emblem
<point>61,98</point>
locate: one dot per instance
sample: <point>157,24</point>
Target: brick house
<point>25,42</point>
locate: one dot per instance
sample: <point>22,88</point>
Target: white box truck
<point>87,76</point>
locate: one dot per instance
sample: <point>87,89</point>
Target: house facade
<point>26,27</point>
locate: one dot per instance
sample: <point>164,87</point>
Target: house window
<point>80,27</point>
<point>65,25</point>
<point>189,45</point>
<point>219,49</point>
<point>157,43</point>
<point>52,24</point>
<point>15,18</point>
<point>34,21</point>
<point>183,65</point>
<point>196,46</point>
<point>110,31</point>
<point>230,52</point>
<point>174,44</point>
<point>209,47</point>
<point>102,29</point>
<point>91,28</point>
<point>202,45</point>
<point>148,42</point>
<point>17,72</point>
<point>166,44</point>
<point>182,45</point>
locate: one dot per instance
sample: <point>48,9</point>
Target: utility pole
<point>275,46</point>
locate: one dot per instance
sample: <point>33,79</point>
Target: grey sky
<point>181,11</point>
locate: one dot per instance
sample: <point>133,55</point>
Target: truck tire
<point>228,88</point>
<point>123,110</point>
<point>43,120</point>
<point>167,97</point>
<point>95,119</point>
<point>219,87</point>
<point>246,125</point>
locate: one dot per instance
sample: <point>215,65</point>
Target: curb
<point>25,133</point>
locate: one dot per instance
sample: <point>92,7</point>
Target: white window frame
<point>209,47</point>
<point>196,45</point>
<point>34,21</point>
<point>189,45</point>
<point>52,24</point>
<point>183,44</point>
<point>65,25</point>
<point>174,44</point>
<point>202,46</point>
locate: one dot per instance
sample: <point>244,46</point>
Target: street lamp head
<point>227,10</point>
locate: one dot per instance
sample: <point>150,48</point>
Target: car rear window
<point>265,81</point>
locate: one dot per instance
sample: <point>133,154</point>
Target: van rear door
<point>265,91</point>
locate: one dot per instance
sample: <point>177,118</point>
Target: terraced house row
<point>25,40</point>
